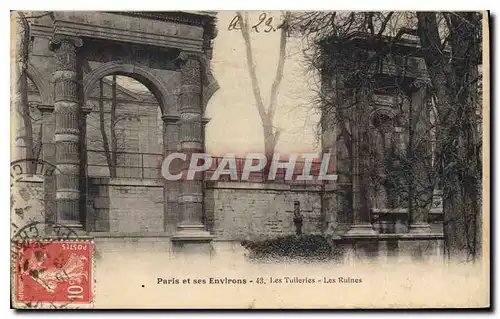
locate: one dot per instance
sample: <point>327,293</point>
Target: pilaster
<point>420,186</point>
<point>361,223</point>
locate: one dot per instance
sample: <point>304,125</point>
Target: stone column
<point>85,111</point>
<point>172,188</point>
<point>420,156</point>
<point>191,228</point>
<point>67,131</point>
<point>361,221</point>
<point>48,155</point>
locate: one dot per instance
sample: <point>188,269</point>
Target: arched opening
<point>136,72</point>
<point>124,130</point>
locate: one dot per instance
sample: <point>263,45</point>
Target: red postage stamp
<point>54,272</point>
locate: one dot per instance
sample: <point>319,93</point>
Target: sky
<point>235,125</point>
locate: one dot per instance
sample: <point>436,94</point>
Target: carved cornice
<point>129,28</point>
<point>43,31</point>
<point>190,18</point>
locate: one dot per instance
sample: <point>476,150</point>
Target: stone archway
<point>88,46</point>
<point>139,144</point>
<point>140,73</point>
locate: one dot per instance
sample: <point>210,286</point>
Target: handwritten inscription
<point>265,24</point>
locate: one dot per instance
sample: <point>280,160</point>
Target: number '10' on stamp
<point>54,272</point>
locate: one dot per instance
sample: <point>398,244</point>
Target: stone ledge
<point>194,238</point>
<point>129,235</point>
<point>126,181</point>
<point>403,236</point>
<point>389,210</point>
<point>263,186</point>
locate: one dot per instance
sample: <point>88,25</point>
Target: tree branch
<point>281,66</point>
<point>251,65</point>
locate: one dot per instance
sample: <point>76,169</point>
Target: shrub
<point>304,247</point>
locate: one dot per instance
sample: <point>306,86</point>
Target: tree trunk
<point>105,143</point>
<point>271,135</point>
<point>114,146</point>
<point>22,106</point>
<point>269,144</point>
<point>458,151</point>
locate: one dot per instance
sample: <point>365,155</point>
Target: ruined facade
<point>170,54</point>
<point>378,119</point>
<point>167,52</point>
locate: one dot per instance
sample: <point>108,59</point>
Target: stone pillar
<point>420,156</point>
<point>85,111</point>
<point>191,235</point>
<point>172,188</point>
<point>48,155</point>
<point>361,221</point>
<point>67,131</point>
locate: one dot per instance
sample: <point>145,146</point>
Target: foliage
<point>449,43</point>
<point>303,247</point>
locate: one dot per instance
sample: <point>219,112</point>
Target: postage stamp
<point>54,272</point>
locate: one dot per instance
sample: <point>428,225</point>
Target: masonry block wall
<point>330,209</point>
<point>246,211</point>
<point>233,211</point>
<point>125,206</point>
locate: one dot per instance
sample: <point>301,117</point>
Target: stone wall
<point>239,211</point>
<point>234,211</point>
<point>125,206</point>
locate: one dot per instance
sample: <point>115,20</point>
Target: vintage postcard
<point>255,160</point>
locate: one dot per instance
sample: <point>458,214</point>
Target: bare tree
<point>455,77</point>
<point>21,104</point>
<point>111,148</point>
<point>112,137</point>
<point>114,122</point>
<point>105,142</point>
<point>271,133</point>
